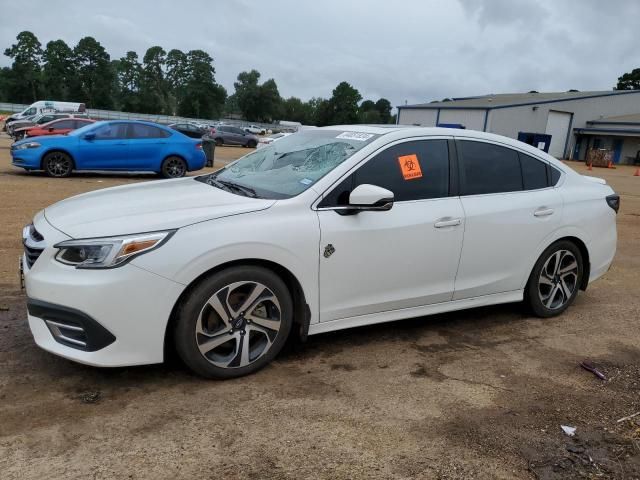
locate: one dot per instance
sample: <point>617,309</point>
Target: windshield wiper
<point>247,191</point>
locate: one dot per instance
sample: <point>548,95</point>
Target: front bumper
<point>123,311</point>
<point>27,158</point>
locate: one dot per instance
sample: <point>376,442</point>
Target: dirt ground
<point>474,394</point>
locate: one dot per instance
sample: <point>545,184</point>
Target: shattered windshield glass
<point>289,166</point>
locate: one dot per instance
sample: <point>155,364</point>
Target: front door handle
<point>543,212</point>
<point>447,222</point>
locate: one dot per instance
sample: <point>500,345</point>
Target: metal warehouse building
<point>575,121</point>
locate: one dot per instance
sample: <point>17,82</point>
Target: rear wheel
<point>173,167</point>
<point>57,164</point>
<point>555,280</point>
<point>234,322</point>
<point>251,144</point>
<point>218,142</point>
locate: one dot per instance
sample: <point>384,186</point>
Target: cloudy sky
<point>404,50</point>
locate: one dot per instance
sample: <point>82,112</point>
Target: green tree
<point>5,84</point>
<point>94,74</point>
<point>295,110</point>
<point>177,77</point>
<point>153,86</point>
<point>129,73</point>
<point>58,71</point>
<point>257,102</point>
<point>247,94</point>
<point>25,70</point>
<point>344,104</point>
<point>321,112</point>
<point>629,81</point>
<point>367,113</point>
<point>383,106</point>
<point>367,106</point>
<point>202,96</point>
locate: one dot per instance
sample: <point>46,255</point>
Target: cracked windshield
<point>290,165</point>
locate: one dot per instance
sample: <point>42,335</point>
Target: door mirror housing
<point>90,136</point>
<point>370,197</point>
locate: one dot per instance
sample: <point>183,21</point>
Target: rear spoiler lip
<point>599,180</point>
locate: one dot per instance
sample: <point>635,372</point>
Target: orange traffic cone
<point>590,167</point>
<point>637,174</point>
<point>610,165</point>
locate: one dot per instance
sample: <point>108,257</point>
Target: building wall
<point>509,121</point>
<point>471,119</point>
<point>413,116</point>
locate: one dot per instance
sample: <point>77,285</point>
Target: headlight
<point>108,252</point>
<point>24,146</point>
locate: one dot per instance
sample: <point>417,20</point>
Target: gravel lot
<point>474,394</point>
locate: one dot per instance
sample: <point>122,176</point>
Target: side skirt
<point>413,312</point>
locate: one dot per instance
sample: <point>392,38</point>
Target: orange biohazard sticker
<point>410,167</point>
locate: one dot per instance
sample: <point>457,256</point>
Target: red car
<point>61,126</point>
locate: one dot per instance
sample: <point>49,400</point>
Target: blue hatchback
<point>114,145</point>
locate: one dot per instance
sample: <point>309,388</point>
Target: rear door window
<point>138,130</point>
<point>63,125</point>
<point>488,168</point>
<point>534,172</point>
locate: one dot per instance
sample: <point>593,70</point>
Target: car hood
<point>147,207</point>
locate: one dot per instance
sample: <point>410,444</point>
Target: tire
<point>173,167</point>
<point>211,339</point>
<point>555,279</point>
<point>251,144</point>
<point>218,142</point>
<point>57,164</point>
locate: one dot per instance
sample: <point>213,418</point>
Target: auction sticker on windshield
<point>359,136</point>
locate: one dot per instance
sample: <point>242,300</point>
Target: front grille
<point>33,242</point>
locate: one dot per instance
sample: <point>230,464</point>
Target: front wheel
<point>173,167</point>
<point>57,164</point>
<point>234,322</point>
<point>251,144</point>
<point>555,280</point>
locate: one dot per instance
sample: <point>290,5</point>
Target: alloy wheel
<point>58,164</point>
<point>558,279</point>
<point>175,168</point>
<point>238,324</point>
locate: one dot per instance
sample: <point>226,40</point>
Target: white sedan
<point>327,229</point>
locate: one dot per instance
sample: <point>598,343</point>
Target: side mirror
<point>370,197</point>
<point>90,136</point>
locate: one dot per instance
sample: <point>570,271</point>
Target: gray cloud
<point>408,50</point>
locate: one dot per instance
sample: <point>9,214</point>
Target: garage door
<point>558,128</point>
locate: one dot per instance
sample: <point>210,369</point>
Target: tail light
<point>198,146</point>
<point>614,202</point>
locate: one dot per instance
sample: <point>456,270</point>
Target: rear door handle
<point>543,212</point>
<point>447,222</point>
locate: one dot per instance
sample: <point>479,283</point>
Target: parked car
<point>18,128</point>
<point>115,145</point>
<point>327,229</point>
<point>228,135</point>
<point>189,129</point>
<point>256,130</point>
<point>264,141</point>
<point>46,106</point>
<point>61,126</point>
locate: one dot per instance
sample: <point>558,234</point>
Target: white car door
<point>380,261</point>
<point>510,209</point>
